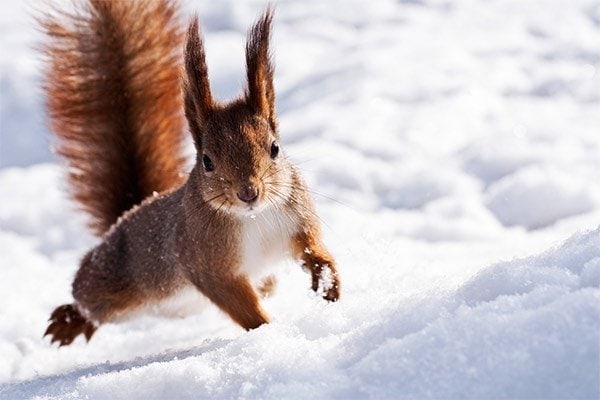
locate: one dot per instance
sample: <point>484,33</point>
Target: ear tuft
<point>199,103</point>
<point>259,69</point>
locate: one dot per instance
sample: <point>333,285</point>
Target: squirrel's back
<point>114,99</point>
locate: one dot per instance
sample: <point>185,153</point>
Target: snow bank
<point>521,329</point>
<point>535,197</point>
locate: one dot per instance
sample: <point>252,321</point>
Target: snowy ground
<point>462,139</point>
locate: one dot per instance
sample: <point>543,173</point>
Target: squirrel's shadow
<point>55,385</point>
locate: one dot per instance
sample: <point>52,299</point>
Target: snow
<point>454,155</point>
<point>534,197</point>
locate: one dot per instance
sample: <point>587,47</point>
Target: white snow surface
<point>454,151</point>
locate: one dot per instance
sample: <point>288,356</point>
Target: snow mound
<point>537,197</point>
<point>521,329</point>
<point>416,187</point>
<point>495,158</point>
<point>574,265</point>
<point>500,332</point>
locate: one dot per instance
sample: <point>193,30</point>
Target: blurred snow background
<point>462,139</point>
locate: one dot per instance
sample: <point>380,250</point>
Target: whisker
<point>214,215</point>
<point>283,210</point>
<point>276,171</point>
<point>214,198</point>
<point>276,216</point>
<point>267,170</point>
<point>299,204</point>
<point>305,189</point>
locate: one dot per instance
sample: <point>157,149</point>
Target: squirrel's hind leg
<point>100,293</point>
<point>66,323</point>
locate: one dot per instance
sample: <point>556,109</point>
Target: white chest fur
<point>265,240</point>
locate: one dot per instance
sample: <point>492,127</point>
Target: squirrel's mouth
<point>250,210</point>
<point>247,205</point>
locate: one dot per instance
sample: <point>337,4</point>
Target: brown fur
<point>259,69</point>
<point>203,234</point>
<point>267,286</point>
<point>113,96</point>
<point>66,323</point>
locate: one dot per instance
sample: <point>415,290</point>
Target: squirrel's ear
<point>191,114</point>
<point>199,103</point>
<point>259,69</point>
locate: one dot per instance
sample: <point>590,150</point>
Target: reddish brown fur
<point>259,70</point>
<point>198,98</point>
<point>267,286</point>
<point>114,100</point>
<point>201,234</point>
<point>66,323</point>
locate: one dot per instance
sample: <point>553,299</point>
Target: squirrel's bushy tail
<point>114,99</point>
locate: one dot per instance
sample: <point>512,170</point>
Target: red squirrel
<point>116,106</point>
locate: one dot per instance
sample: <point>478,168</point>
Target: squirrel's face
<point>243,169</point>
<point>239,161</point>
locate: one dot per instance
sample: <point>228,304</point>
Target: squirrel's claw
<point>66,323</point>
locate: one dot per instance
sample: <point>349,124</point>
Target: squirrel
<point>117,104</point>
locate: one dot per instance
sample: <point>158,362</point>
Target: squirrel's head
<point>239,165</point>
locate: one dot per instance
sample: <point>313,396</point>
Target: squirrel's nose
<point>248,193</point>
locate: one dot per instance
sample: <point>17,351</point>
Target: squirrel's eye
<point>207,163</point>
<point>274,149</point>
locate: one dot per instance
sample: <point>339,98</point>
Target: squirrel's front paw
<point>326,282</point>
<point>333,293</point>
